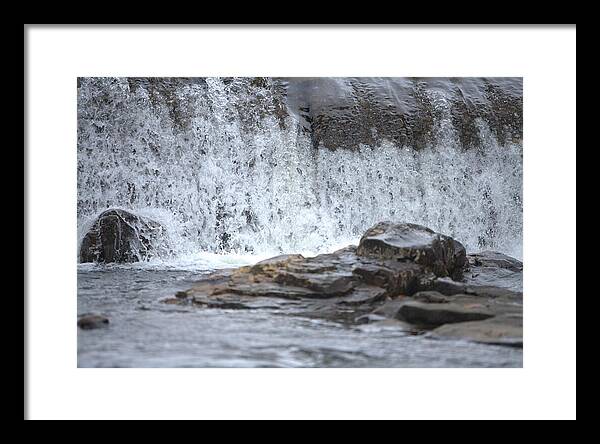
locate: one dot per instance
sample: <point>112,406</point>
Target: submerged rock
<point>400,272</point>
<point>501,330</point>
<point>92,321</point>
<point>436,314</point>
<point>120,236</point>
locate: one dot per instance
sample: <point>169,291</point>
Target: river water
<point>143,332</point>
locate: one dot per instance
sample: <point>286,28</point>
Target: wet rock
<point>449,287</point>
<point>343,113</point>
<point>502,330</point>
<point>437,314</point>
<point>498,301</point>
<point>120,236</point>
<point>389,309</point>
<point>430,297</point>
<point>500,304</point>
<point>494,259</point>
<point>396,277</point>
<point>494,269</point>
<point>445,286</point>
<point>400,274</point>
<point>181,295</point>
<point>92,321</point>
<point>342,275</point>
<point>222,304</point>
<point>441,254</point>
<point>339,286</point>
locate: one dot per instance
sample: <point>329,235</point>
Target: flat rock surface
<point>501,330</point>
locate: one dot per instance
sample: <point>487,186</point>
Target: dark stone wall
<point>346,112</point>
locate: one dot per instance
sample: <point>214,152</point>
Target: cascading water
<point>227,167</point>
<point>240,169</point>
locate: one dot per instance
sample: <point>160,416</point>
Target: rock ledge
<point>403,274</point>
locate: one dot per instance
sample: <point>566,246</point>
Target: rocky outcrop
<point>404,273</point>
<point>120,236</point>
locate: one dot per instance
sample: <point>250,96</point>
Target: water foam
<point>229,181</point>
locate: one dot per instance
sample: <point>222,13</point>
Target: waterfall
<point>234,165</point>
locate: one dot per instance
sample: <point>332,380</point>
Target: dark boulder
<point>120,236</point>
<point>441,254</point>
<point>92,321</point>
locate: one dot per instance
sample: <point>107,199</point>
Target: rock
<point>120,236</point>
<point>276,261</point>
<point>494,269</point>
<point>396,277</point>
<point>343,113</point>
<point>448,287</point>
<point>441,254</point>
<point>498,301</point>
<point>499,304</point>
<point>501,330</point>
<point>222,304</point>
<point>430,297</point>
<point>338,286</point>
<point>437,314</point>
<point>399,275</point>
<point>89,322</point>
<point>494,259</point>
<point>389,309</point>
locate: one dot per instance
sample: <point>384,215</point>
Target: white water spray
<point>223,173</point>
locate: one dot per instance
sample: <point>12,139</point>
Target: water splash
<point>224,171</point>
